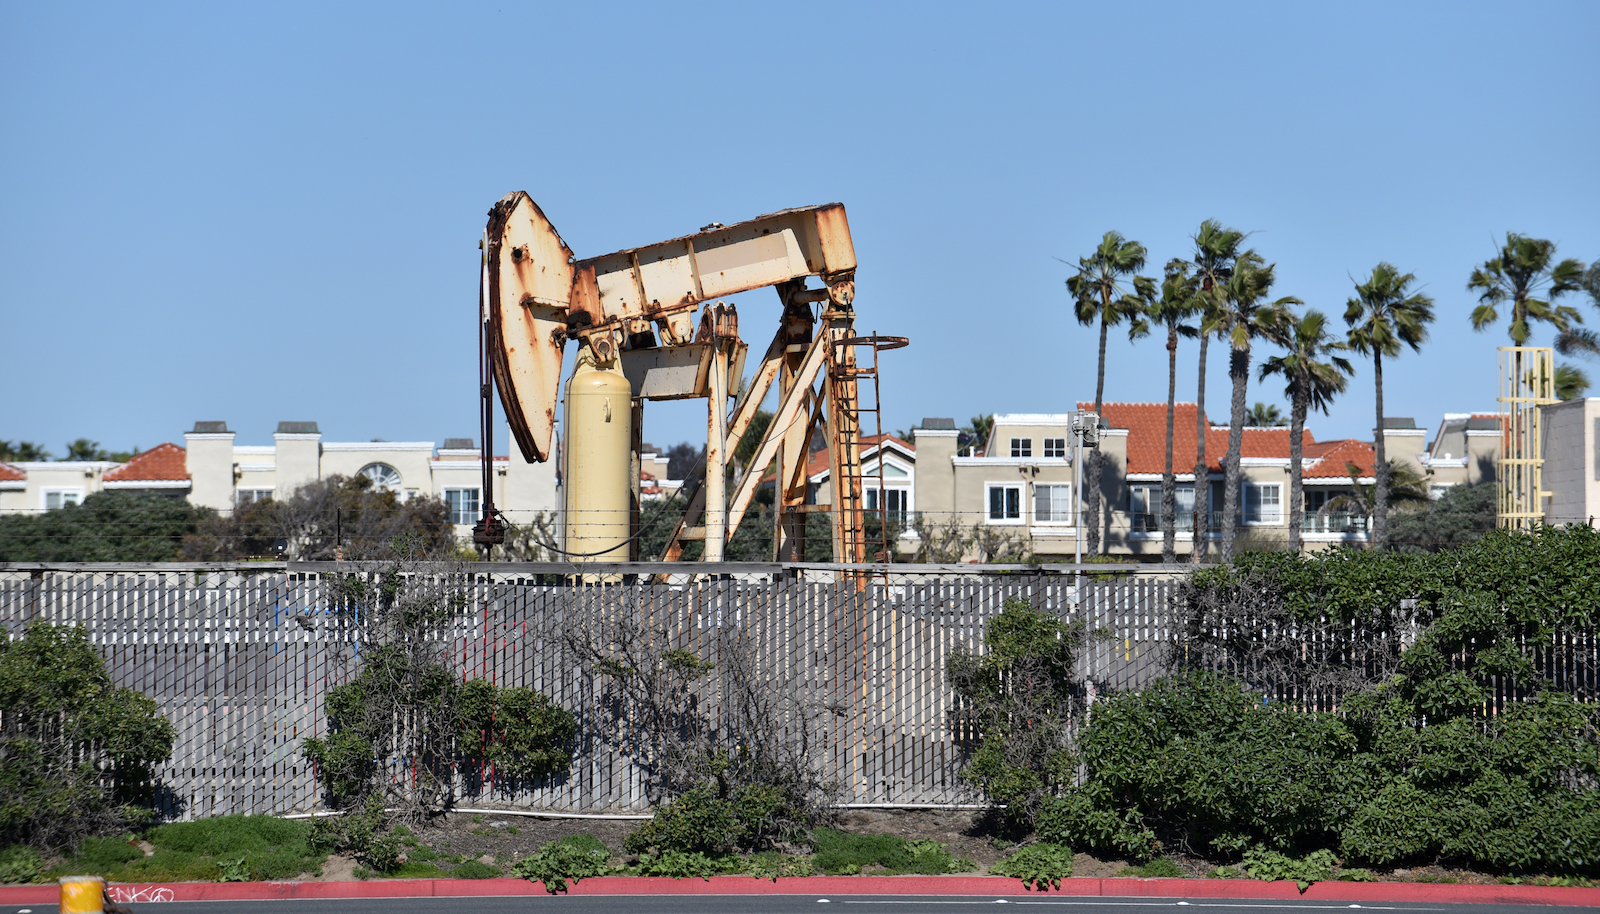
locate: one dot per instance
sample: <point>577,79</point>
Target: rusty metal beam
<point>787,411</point>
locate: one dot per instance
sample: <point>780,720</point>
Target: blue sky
<point>267,212</point>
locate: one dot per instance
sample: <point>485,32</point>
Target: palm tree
<point>1311,383</point>
<point>1264,415</point>
<point>1384,314</point>
<point>1248,317</point>
<point>1216,248</point>
<point>1523,276</point>
<point>1570,382</point>
<point>1100,292</point>
<point>1177,304</point>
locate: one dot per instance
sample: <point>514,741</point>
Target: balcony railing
<point>1312,522</point>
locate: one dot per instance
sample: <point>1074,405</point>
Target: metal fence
<point>239,658</point>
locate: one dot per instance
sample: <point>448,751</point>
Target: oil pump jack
<point>632,315</point>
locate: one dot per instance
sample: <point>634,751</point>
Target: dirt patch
<point>502,839</point>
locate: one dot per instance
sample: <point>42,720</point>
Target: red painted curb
<point>832,885</point>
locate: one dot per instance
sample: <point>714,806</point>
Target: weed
<point>1268,866</point>
<point>840,854</point>
<point>773,864</point>
<point>686,865</point>
<point>1039,866</point>
<point>473,869</point>
<point>1357,875</point>
<point>512,830</point>
<point>573,857</point>
<point>1159,868</point>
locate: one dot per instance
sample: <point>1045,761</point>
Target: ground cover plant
<point>1040,866</point>
<point>222,849</point>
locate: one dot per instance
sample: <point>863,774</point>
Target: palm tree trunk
<point>1239,371</point>
<point>1297,428</point>
<point>1380,469</point>
<point>1092,484</point>
<point>1202,476</point>
<point>1169,482</point>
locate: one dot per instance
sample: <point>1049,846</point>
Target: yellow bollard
<point>82,894</point>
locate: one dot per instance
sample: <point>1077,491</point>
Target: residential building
<point>1571,448</point>
<point>211,471</point>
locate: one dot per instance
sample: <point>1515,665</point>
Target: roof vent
<point>936,422</point>
<point>209,428</point>
<point>459,444</point>
<point>298,428</point>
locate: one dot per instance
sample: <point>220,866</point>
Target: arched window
<point>383,476</point>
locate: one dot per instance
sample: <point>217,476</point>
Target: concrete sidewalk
<point>830,886</point>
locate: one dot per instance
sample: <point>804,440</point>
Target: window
<point>1005,503</point>
<point>1022,447</point>
<point>61,498</point>
<point>1331,512</point>
<point>1263,503</point>
<point>1144,504</point>
<point>1436,492</point>
<point>251,496</point>
<point>894,502</point>
<point>1055,447</point>
<point>463,505</point>
<point>383,476</point>
<point>1052,503</point>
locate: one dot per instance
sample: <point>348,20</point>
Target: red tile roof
<point>162,463</point>
<point>9,473</point>
<point>1332,462</point>
<point>1147,442</point>
<point>1147,437</point>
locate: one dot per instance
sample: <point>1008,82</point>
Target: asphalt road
<point>786,904</point>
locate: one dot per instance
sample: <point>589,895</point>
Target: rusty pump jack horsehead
<point>632,314</point>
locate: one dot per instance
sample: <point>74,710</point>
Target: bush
<point>108,527</point>
<point>76,752</point>
<point>474,869</point>
<point>1039,866</point>
<point>1270,866</point>
<point>520,731</point>
<point>1018,698</point>
<point>20,864</point>
<point>573,857</point>
<point>688,864</point>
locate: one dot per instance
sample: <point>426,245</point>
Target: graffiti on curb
<point>128,894</point>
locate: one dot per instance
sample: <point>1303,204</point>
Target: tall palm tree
<point>1216,248</point>
<point>1177,305</point>
<point>1385,314</point>
<point>1524,276</point>
<point>1570,382</point>
<point>1311,383</point>
<point>1106,289</point>
<point>1264,415</point>
<point>1249,316</point>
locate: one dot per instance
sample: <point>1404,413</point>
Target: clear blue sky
<point>265,212</point>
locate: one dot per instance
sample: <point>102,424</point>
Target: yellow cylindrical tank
<point>597,455</point>
<point>82,895</point>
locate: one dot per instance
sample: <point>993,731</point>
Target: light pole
<point>1085,430</point>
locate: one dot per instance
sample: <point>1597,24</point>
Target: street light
<point>1086,428</point>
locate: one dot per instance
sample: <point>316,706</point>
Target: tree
<point>109,526</point>
<point>976,432</point>
<point>1178,304</point>
<point>683,460</point>
<point>1101,293</point>
<point>1385,314</point>
<point>327,518</point>
<point>1248,316</point>
<point>1570,382</point>
<point>75,751</point>
<point>1459,516</point>
<point>1314,374</point>
<point>22,451</point>
<point>1523,277</point>
<point>1264,415</point>
<point>1216,249</point>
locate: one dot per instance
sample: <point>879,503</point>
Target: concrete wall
<point>208,456</point>
<point>1572,461</point>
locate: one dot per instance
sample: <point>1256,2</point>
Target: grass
<point>1159,868</point>
<point>839,853</point>
<point>227,848</point>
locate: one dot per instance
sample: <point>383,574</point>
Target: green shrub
<point>1039,866</point>
<point>841,853</point>
<point>520,731</point>
<point>251,848</point>
<point>77,753</point>
<point>1017,700</point>
<point>20,864</point>
<point>573,857</point>
<point>753,816</point>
